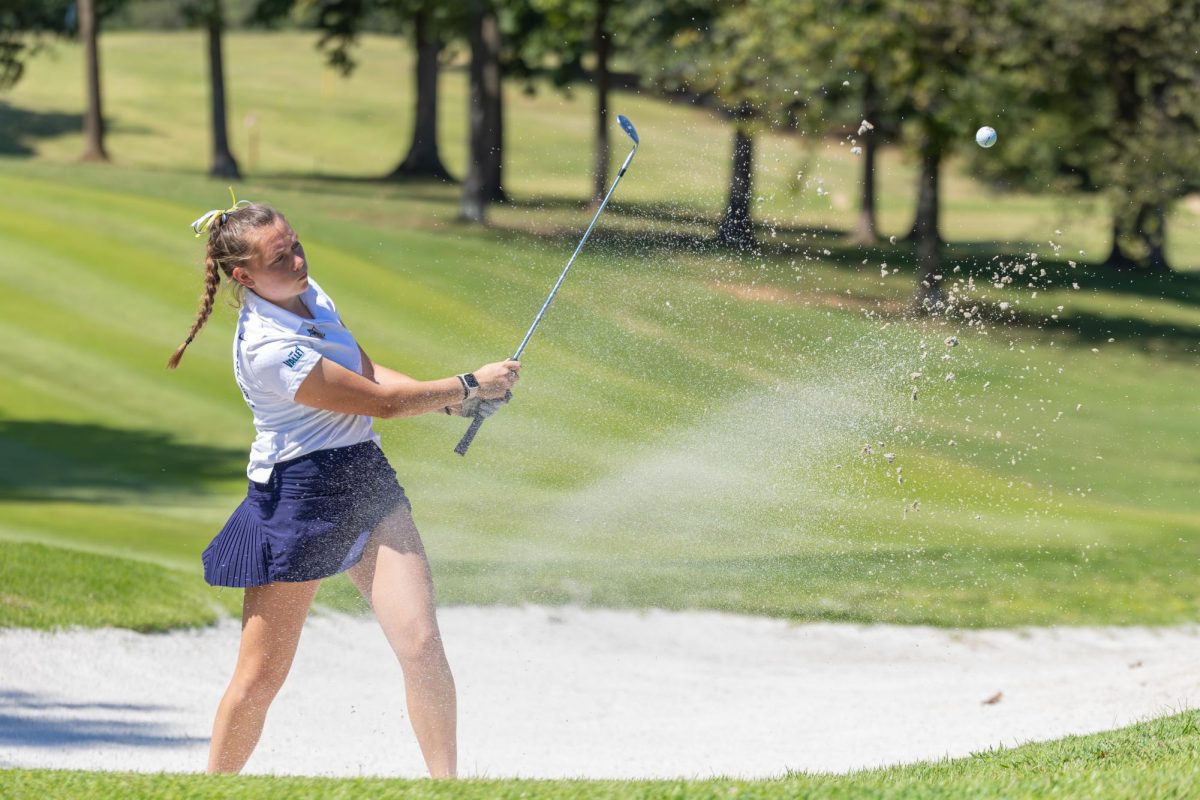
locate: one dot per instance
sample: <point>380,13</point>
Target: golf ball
<point>985,136</point>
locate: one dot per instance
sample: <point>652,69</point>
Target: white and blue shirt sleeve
<point>279,366</point>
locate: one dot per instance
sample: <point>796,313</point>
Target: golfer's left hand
<point>478,407</point>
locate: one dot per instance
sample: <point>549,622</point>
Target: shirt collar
<point>286,320</point>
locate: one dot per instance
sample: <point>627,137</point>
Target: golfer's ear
<point>241,276</point>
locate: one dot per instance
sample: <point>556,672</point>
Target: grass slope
<point>1156,759</point>
<point>53,587</point>
<point>694,426</point>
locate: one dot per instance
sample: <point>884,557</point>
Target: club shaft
<point>537,320</point>
<point>477,422</point>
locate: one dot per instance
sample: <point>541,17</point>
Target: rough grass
<point>1156,759</point>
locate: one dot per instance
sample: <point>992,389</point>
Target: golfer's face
<point>279,269</point>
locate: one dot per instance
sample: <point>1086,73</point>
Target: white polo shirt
<point>273,352</point>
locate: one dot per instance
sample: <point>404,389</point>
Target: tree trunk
<point>1146,236</point>
<point>737,228</point>
<point>93,119</point>
<point>1117,258</point>
<point>866,230</point>
<point>929,298</point>
<point>925,223</point>
<point>223,163</point>
<point>493,107</point>
<point>601,44</point>
<point>473,204</point>
<point>925,231</point>
<point>423,159</point>
<point>1152,230</point>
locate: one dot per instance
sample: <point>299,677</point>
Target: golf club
<point>627,126</point>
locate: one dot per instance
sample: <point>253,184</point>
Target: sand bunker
<point>589,693</point>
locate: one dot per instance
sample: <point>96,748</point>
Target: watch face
<point>471,381</point>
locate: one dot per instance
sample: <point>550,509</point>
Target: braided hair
<point>231,243</point>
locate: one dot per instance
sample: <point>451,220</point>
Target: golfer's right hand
<point>496,379</point>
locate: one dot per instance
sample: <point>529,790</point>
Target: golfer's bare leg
<point>394,577</point>
<point>272,617</point>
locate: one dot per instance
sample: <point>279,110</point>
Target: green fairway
<point>1152,759</point>
<point>695,428</point>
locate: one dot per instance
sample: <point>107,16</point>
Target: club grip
<point>469,436</point>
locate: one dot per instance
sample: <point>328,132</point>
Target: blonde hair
<point>231,243</point>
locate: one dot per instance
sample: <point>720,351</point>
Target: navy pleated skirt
<point>311,520</point>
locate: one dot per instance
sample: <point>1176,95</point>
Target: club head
<point>627,126</point>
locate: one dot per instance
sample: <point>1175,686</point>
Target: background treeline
<point>1094,96</point>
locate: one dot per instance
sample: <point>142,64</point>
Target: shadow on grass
<point>981,259</point>
<point>46,460</point>
<point>1086,328</point>
<point>20,127</point>
<point>414,188</point>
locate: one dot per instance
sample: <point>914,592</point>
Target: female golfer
<point>322,498</point>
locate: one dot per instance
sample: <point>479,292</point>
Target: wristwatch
<point>470,385</point>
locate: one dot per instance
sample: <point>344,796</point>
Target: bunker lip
<point>571,692</point>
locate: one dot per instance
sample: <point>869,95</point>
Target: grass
<point>692,427</point>
<point>1155,759</point>
<point>51,587</point>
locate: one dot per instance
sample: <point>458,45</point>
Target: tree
<point>738,61</point>
<point>554,38</point>
<point>1113,108</point>
<point>209,14</point>
<point>483,35</point>
<point>843,49</point>
<point>423,159</point>
<point>932,64</point>
<point>491,92</point>
<point>943,69</point>
<point>93,118</point>
<point>432,25</point>
<point>602,47</point>
<point>25,28</point>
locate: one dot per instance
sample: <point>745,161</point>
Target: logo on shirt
<point>313,330</point>
<point>293,357</point>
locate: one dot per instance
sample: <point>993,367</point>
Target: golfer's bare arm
<point>387,375</point>
<point>379,392</point>
<point>379,373</point>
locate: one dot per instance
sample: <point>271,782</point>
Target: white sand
<point>583,693</point>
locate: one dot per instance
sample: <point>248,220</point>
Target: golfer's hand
<point>496,379</point>
<point>477,407</point>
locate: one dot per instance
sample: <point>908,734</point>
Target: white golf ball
<point>985,136</point>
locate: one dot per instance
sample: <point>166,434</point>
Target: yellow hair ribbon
<point>204,222</point>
